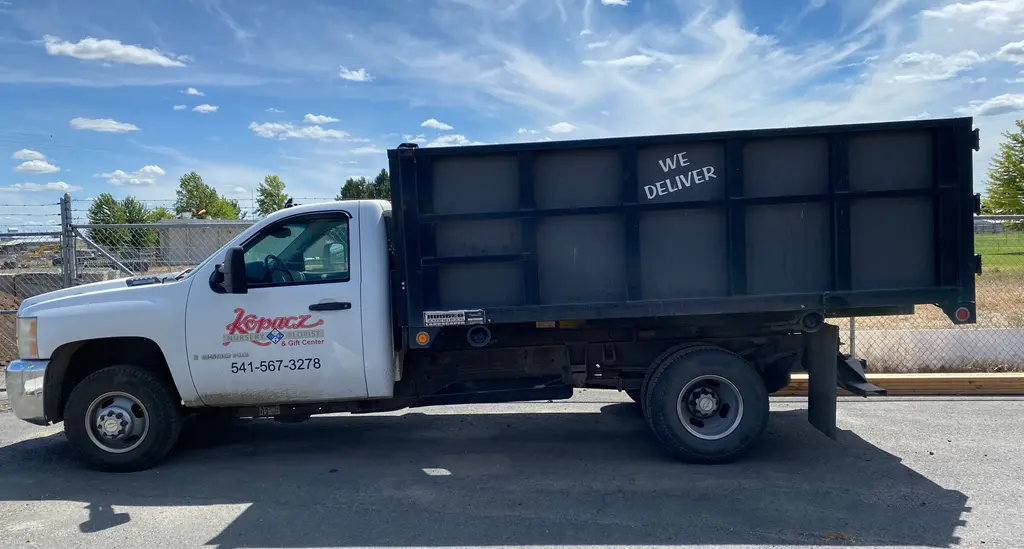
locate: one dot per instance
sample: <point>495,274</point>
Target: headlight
<point>28,346</point>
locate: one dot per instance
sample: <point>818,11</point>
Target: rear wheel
<point>123,418</point>
<point>706,404</point>
<point>776,379</point>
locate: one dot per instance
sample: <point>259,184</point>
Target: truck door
<point>296,335</point>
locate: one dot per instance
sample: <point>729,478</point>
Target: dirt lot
<point>8,347</point>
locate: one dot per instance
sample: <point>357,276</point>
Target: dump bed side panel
<point>843,219</point>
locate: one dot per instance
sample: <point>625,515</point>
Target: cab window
<point>304,250</point>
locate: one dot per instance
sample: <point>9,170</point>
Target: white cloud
<point>110,51</point>
<point>1001,104</point>
<point>238,189</point>
<point>1013,52</point>
<point>272,109</point>
<point>615,2</point>
<point>180,107</point>
<point>59,186</point>
<point>521,131</point>
<point>102,125</point>
<point>205,109</point>
<point>193,91</point>
<point>630,61</point>
<point>415,138</point>
<point>924,67</point>
<point>319,119</point>
<point>437,125</point>
<point>145,177</point>
<point>452,140</point>
<point>367,150</point>
<point>36,166</point>
<point>356,76</point>
<point>561,127</point>
<point>275,130</point>
<point>595,45</point>
<point>586,32</point>
<point>28,154</point>
<point>986,14</point>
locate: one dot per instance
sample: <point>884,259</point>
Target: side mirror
<point>231,273</point>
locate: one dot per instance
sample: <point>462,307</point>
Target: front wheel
<point>122,418</point>
<point>706,404</point>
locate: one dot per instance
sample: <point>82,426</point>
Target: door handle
<point>331,306</point>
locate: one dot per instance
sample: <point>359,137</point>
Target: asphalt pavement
<point>583,473</point>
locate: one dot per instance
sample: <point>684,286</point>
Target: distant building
<point>189,241</point>
<point>983,226</point>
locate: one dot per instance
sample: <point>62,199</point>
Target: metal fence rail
<point>927,341</point>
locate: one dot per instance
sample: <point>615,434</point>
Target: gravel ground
<point>903,472</point>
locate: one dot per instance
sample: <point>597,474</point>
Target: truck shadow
<point>454,479</point>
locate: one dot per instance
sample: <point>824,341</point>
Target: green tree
<point>270,195</point>
<point>224,208</point>
<point>381,188</point>
<point>1005,186</point>
<point>361,188</point>
<point>106,210</point>
<point>353,189</point>
<point>195,197</point>
<point>159,214</point>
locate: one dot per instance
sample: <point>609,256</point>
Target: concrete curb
<point>931,384</point>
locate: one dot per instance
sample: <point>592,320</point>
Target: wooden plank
<point>931,384</point>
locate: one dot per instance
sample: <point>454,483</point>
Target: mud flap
<point>819,357</point>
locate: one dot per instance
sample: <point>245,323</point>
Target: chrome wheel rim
<point>710,407</point>
<point>117,422</point>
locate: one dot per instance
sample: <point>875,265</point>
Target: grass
<point>999,291</point>
<point>1001,253</point>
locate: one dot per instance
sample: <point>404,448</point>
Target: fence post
<point>853,337</point>
<point>68,261</point>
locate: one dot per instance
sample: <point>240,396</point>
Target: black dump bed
<point>848,220</point>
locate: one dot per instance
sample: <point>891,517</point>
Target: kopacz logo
<point>264,331</point>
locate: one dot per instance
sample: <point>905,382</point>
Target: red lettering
<point>248,323</point>
<point>304,318</point>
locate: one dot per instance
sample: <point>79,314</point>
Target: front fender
<point>154,312</point>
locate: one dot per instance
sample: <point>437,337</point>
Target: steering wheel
<point>274,263</point>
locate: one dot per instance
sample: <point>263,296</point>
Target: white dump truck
<point>693,272</point>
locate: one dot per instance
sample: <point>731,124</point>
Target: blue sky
<point>124,96</point>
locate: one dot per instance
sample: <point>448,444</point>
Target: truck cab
<point>312,324</point>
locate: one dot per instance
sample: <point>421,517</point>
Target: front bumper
<point>25,382</point>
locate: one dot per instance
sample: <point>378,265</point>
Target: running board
<point>850,376</point>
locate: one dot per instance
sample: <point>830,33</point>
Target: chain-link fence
<point>927,341</point>
<point>29,265</point>
<point>152,248</point>
<point>35,263</point>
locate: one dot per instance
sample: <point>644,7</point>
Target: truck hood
<point>119,284</point>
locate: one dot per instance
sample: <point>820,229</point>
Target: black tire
<point>670,352</point>
<point>745,419</point>
<point>163,412</point>
<point>776,379</point>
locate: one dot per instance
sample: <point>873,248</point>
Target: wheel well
<point>73,362</point>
